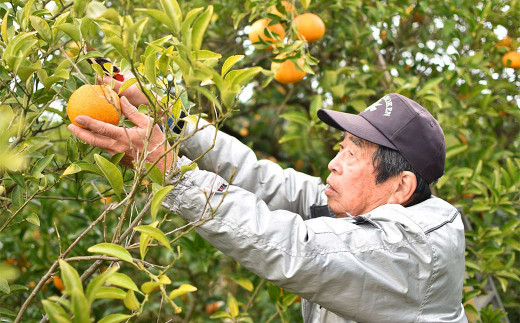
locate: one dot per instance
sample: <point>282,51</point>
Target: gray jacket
<point>394,264</point>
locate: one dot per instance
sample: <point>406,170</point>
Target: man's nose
<point>334,165</point>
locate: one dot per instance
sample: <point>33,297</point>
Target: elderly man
<point>373,245</point>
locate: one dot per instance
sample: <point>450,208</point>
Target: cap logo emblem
<point>388,106</point>
<point>374,106</point>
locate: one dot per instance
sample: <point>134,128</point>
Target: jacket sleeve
<point>279,188</point>
<point>345,267</point>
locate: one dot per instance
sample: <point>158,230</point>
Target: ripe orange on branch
<point>58,282</point>
<point>287,6</point>
<point>258,32</point>
<point>511,59</point>
<point>96,101</point>
<point>310,27</point>
<point>286,72</point>
<point>505,42</point>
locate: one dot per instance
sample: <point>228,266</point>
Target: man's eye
<point>350,153</point>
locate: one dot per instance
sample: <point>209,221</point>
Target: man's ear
<point>405,185</point>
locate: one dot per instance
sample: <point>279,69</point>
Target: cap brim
<point>354,124</point>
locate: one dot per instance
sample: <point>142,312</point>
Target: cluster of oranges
<point>512,58</point>
<point>308,27</point>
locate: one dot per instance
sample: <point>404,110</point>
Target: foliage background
<point>443,54</point>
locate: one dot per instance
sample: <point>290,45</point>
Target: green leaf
<point>503,283</point>
<point>4,286</point>
<point>232,305</point>
<point>71,30</point>
<point>296,116</point>
<point>158,199</point>
<point>183,289</point>
<point>149,68</point>
<point>210,96</point>
<point>70,278</point>
<point>429,85</point>
<point>174,13</point>
<point>72,149</point>
<point>245,283</point>
<point>41,26</point>
<point>154,232</point>
<point>62,301</point>
<point>455,150</point>
<point>113,250</point>
<point>199,28</point>
<point>80,306</point>
<point>115,318</point>
<point>288,299</point>
<point>230,62</point>
<point>5,311</point>
<point>186,32</point>
<point>111,172</point>
<point>42,163</point>
<point>5,37</point>
<point>122,280</point>
<point>158,15</point>
<point>220,315</point>
<point>239,78</point>
<point>316,104</point>
<point>115,159</point>
<point>128,83</point>
<point>18,178</point>
<point>205,55</point>
<point>33,219</point>
<point>513,244</point>
<point>89,167</point>
<point>148,287</point>
<point>131,301</point>
<point>55,312</point>
<point>105,292</point>
<point>305,3</point>
<point>96,283</point>
<point>155,174</point>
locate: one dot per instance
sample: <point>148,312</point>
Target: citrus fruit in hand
<point>310,27</point>
<point>286,72</point>
<point>511,59</point>
<point>258,32</point>
<point>96,101</point>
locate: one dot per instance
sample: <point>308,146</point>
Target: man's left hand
<point>131,141</point>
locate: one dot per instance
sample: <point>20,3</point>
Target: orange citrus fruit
<point>96,101</point>
<point>511,59</point>
<point>286,72</point>
<point>258,32</point>
<point>310,27</point>
<point>505,42</point>
<point>72,49</point>
<point>287,6</point>
<point>58,282</point>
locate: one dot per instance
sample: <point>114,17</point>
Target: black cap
<point>399,123</point>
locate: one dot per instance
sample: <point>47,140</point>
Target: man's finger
<point>131,112</point>
<point>91,138</point>
<point>100,127</point>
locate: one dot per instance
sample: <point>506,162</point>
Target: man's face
<point>352,180</point>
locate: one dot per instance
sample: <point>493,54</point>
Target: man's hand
<point>134,95</point>
<point>128,140</point>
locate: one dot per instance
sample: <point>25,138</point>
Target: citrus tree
<point>83,237</point>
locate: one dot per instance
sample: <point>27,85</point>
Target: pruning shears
<point>116,71</point>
